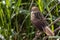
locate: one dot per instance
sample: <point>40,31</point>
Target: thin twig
<point>23,22</point>
<point>57,29</point>
<point>31,4</point>
<point>52,9</point>
<point>54,37</point>
<point>54,22</point>
<point>44,38</point>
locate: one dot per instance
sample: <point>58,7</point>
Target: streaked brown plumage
<point>39,21</point>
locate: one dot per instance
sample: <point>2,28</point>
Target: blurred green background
<point>15,21</point>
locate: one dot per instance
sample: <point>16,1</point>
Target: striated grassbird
<point>39,21</point>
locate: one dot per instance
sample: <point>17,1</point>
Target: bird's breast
<point>40,24</point>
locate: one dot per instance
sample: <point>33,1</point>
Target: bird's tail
<point>48,31</point>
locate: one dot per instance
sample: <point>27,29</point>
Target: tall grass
<point>15,21</point>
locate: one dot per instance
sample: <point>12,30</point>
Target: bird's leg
<point>38,33</point>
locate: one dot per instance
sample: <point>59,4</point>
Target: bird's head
<point>35,13</point>
<point>34,9</point>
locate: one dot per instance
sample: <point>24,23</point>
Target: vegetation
<point>15,21</point>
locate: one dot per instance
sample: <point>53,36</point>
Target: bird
<point>39,21</point>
